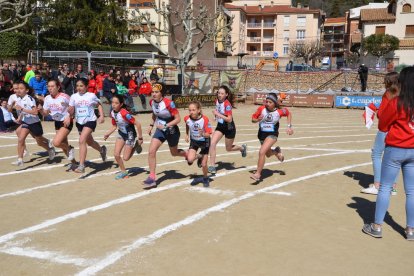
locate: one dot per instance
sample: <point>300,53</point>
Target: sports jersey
<point>12,99</point>
<point>195,126</point>
<point>164,110</point>
<point>84,107</point>
<point>27,102</point>
<point>58,106</point>
<point>270,121</point>
<point>123,120</point>
<point>224,108</point>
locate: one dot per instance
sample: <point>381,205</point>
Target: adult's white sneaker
<point>370,190</point>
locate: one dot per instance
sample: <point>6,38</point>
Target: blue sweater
<point>39,87</point>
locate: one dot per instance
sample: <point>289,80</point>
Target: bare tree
<point>186,27</point>
<point>308,50</point>
<point>14,14</point>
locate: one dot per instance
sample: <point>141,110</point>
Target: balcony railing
<point>267,39</point>
<point>254,39</point>
<point>260,53</point>
<point>268,25</point>
<point>254,25</point>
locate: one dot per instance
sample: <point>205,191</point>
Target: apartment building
<point>335,39</point>
<point>396,19</point>
<point>261,28</point>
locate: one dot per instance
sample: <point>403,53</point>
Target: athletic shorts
<point>59,125</point>
<point>263,135</point>
<point>204,146</point>
<point>35,129</point>
<point>91,125</point>
<point>171,135</point>
<point>128,137</point>
<point>228,129</point>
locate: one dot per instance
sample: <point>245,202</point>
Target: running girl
<point>198,131</point>
<point>165,118</point>
<point>56,105</point>
<point>82,105</point>
<point>225,126</point>
<point>30,123</point>
<point>127,134</point>
<point>268,117</point>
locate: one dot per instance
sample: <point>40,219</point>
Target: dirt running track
<point>304,218</point>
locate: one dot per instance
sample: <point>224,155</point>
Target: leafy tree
<point>379,45</point>
<point>94,21</point>
<point>308,50</point>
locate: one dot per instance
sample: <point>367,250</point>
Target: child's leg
<point>175,151</point>
<point>42,142</point>
<point>61,140</point>
<point>191,156</point>
<point>217,135</point>
<point>263,152</point>
<point>204,164</point>
<point>152,154</point>
<point>21,141</point>
<point>83,138</point>
<point>92,143</point>
<point>128,151</point>
<point>119,144</point>
<point>230,146</point>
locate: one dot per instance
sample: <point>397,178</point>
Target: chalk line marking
<point>131,197</point>
<point>279,193</point>
<point>118,254</point>
<point>211,191</point>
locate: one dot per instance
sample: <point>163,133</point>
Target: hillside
<point>334,8</point>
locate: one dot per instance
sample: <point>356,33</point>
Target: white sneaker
<point>52,153</point>
<point>71,153</point>
<point>18,163</point>
<point>370,190</point>
<point>26,153</point>
<point>50,143</point>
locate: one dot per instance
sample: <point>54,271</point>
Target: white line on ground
<point>211,191</point>
<point>123,251</point>
<point>279,193</point>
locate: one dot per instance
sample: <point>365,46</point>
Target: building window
<point>285,49</point>
<point>406,8</point>
<point>286,20</point>
<point>285,36</point>
<point>409,30</point>
<point>300,34</point>
<point>301,21</point>
<point>380,30</point>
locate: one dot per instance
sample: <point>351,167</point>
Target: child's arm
<point>187,130</point>
<point>289,129</point>
<point>32,111</point>
<point>101,118</point>
<point>110,131</point>
<point>139,130</point>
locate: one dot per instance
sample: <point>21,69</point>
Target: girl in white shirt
<point>82,107</point>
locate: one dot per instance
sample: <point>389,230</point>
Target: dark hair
<point>230,96</point>
<point>2,100</point>
<point>391,82</point>
<point>277,103</point>
<point>26,85</point>
<point>112,75</point>
<point>37,72</point>
<point>406,98</point>
<point>84,81</point>
<point>121,101</point>
<point>59,86</point>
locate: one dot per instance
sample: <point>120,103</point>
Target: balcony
<point>260,53</point>
<point>254,39</point>
<point>268,39</point>
<point>254,25</point>
<point>269,25</point>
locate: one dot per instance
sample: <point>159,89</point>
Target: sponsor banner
<point>356,101</point>
<point>197,83</point>
<point>322,100</point>
<point>301,100</point>
<point>182,101</point>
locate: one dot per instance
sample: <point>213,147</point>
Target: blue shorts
<point>35,129</point>
<point>171,135</point>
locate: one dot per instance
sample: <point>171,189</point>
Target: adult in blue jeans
<point>391,87</point>
<point>398,120</point>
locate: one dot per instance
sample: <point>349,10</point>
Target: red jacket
<point>132,87</point>
<point>92,86</point>
<point>99,81</point>
<point>145,88</point>
<point>399,127</point>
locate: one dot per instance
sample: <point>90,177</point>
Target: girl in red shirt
<point>92,86</point>
<point>398,121</point>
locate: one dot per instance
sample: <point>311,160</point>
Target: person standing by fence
<point>363,76</point>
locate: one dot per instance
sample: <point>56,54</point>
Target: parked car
<point>304,68</point>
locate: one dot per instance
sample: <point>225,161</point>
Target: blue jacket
<point>39,87</point>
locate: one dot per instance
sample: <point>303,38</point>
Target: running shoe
<point>149,183</point>
<point>200,161</point>
<point>196,181</point>
<point>121,175</point>
<point>80,169</point>
<point>409,234</point>
<point>26,153</point>
<point>370,230</point>
<point>137,147</point>
<point>103,153</point>
<point>212,169</point>
<point>52,153</point>
<point>370,190</point>
<point>394,191</point>
<point>18,163</point>
<point>244,150</point>
<point>71,153</point>
<point>50,143</point>
<point>279,154</point>
<point>206,182</point>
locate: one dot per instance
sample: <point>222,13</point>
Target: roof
<point>356,12</point>
<point>272,9</point>
<point>407,43</point>
<point>377,15</point>
<point>335,21</point>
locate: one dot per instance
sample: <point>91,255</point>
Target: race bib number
<point>82,112</point>
<point>266,127</point>
<point>160,122</point>
<point>57,117</point>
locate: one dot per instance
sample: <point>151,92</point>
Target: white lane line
<point>131,197</point>
<point>55,257</point>
<point>279,193</point>
<point>118,254</point>
<point>211,191</point>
